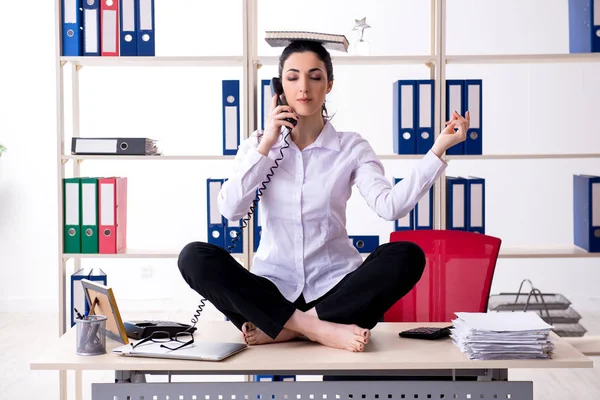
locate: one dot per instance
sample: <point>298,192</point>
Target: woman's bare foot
<point>254,336</point>
<point>348,337</point>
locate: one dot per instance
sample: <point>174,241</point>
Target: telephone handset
<point>276,87</point>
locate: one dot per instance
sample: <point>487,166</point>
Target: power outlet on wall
<point>147,271</point>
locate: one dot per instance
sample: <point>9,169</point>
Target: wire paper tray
<point>525,302</point>
<point>569,330</point>
<point>568,316</point>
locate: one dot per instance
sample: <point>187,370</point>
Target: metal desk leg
<point>494,375</point>
<point>129,377</point>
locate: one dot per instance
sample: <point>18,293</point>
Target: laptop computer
<point>199,350</point>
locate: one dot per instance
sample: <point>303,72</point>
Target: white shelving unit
<point>250,63</point>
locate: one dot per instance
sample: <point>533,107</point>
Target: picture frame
<point>101,301</point>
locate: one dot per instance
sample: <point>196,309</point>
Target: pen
<point>79,316</point>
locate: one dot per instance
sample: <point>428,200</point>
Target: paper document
<point>502,336</point>
<point>504,322</point>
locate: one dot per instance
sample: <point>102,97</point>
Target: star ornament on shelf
<point>361,25</point>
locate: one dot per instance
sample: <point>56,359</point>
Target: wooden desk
<point>386,354</point>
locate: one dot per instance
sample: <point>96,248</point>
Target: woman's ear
<point>329,86</point>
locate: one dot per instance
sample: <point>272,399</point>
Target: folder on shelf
<point>91,27</point>
<point>404,112</point>
<point>72,215</point>
<point>145,28</point>
<point>267,96</point>
<point>257,228</point>
<point>72,28</point>
<point>455,101</point>
<point>109,27</point>
<point>215,221</point>
<point>406,223</point>
<point>475,204</point>
<point>456,203</point>
<point>473,103</point>
<point>274,378</point>
<point>425,95</point>
<point>424,211</point>
<point>364,243</point>
<point>112,213</point>
<point>77,295</point>
<point>584,26</point>
<point>89,215</point>
<point>114,146</point>
<point>231,116</point>
<point>586,212</point>
<point>264,378</point>
<point>128,28</point>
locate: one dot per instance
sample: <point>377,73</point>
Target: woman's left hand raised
<point>448,137</point>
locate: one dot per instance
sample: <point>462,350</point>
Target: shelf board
<point>149,158</point>
<point>505,252</point>
<point>225,61</point>
<point>206,61</point>
<point>360,60</point>
<point>523,58</point>
<point>523,156</point>
<point>129,253</point>
<point>492,156</point>
<point>380,156</point>
<point>544,252</point>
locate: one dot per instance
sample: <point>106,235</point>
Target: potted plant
<point>2,149</point>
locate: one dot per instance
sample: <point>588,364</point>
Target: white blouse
<point>304,246</point>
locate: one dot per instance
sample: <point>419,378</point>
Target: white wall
<point>528,109</point>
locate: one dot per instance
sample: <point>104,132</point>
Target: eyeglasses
<point>186,338</point>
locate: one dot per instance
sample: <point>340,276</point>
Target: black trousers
<point>361,298</point>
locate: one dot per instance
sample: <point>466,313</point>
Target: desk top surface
<point>386,352</point>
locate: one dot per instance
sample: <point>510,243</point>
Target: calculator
<point>425,332</point>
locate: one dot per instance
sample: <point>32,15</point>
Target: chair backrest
<point>457,277</point>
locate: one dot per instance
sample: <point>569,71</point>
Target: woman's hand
<point>276,119</point>
<point>449,137</point>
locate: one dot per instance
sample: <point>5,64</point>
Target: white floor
<point>23,335</point>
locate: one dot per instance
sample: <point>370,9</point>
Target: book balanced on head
<point>328,40</point>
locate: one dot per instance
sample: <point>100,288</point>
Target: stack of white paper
<point>502,336</point>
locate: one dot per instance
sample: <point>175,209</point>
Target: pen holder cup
<point>91,335</point>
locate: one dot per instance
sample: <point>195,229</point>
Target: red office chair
<point>457,277</point>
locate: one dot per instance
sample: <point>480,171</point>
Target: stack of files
<point>107,28</point>
<point>502,336</point>
<point>584,26</point>
<point>95,215</point>
<point>364,243</point>
<point>413,116</point>
<point>230,93</point>
<point>221,231</point>
<point>420,217</point>
<point>464,95</point>
<point>465,204</point>
<point>586,212</point>
<point>114,146</point>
